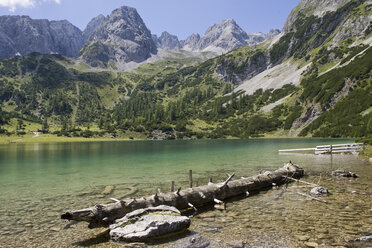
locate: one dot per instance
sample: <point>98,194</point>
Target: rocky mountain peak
<point>272,33</point>
<point>226,26</point>
<point>168,41</point>
<point>23,35</point>
<point>223,37</point>
<point>312,7</point>
<point>122,37</point>
<point>92,25</point>
<point>191,42</point>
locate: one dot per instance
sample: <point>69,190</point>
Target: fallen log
<point>102,215</point>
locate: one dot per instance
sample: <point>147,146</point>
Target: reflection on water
<point>40,181</point>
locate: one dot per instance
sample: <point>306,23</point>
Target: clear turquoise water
<point>40,181</point>
<point>64,167</point>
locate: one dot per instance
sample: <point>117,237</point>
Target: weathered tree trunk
<point>103,215</point>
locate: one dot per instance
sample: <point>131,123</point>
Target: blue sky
<point>180,17</point>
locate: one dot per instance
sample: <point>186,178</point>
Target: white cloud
<point>14,4</point>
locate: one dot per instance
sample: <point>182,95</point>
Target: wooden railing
<point>329,149</point>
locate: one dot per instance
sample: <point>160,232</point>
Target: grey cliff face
<point>272,33</point>
<point>349,26</point>
<point>191,42</point>
<point>124,35</point>
<point>23,35</point>
<point>92,25</point>
<point>168,41</point>
<point>155,39</point>
<point>7,48</point>
<point>224,37</point>
<point>314,7</point>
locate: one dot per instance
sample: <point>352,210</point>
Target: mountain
<point>21,35</point>
<point>116,40</point>
<point>121,38</point>
<point>92,26</point>
<point>218,39</point>
<point>167,41</point>
<point>190,44</point>
<point>313,79</point>
<point>312,8</point>
<point>224,37</point>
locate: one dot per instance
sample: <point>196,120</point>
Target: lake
<point>38,182</point>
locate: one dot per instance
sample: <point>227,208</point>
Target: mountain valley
<point>313,79</point>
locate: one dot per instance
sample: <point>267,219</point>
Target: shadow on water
<point>98,239</point>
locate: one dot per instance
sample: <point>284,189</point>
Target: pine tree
<point>45,125</point>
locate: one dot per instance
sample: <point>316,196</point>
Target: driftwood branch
<point>193,207</point>
<point>311,197</point>
<point>114,200</point>
<point>300,181</point>
<point>178,191</point>
<point>104,214</point>
<point>230,177</point>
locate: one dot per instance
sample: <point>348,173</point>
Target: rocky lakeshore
<point>269,219</point>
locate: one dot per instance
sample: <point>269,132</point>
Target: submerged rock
<point>144,224</point>
<point>343,173</point>
<point>319,191</point>
<point>196,241</point>
<point>235,244</point>
<point>303,238</point>
<point>362,239</point>
<point>311,244</point>
<point>108,190</point>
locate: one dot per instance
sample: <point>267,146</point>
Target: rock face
<point>224,37</point>
<point>191,43</point>
<point>219,38</point>
<point>168,42</point>
<point>92,26</point>
<point>122,37</point>
<point>315,7</point>
<point>22,35</point>
<point>143,224</point>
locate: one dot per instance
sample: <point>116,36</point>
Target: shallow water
<point>38,182</point>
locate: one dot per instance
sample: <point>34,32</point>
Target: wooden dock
<point>330,149</point>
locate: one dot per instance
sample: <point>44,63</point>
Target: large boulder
<point>147,223</point>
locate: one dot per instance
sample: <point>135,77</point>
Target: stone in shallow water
<point>144,224</point>
<point>303,238</point>
<point>343,173</point>
<point>362,239</point>
<point>235,244</point>
<point>108,190</point>
<point>55,229</point>
<point>319,191</point>
<point>195,241</point>
<point>311,244</point>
